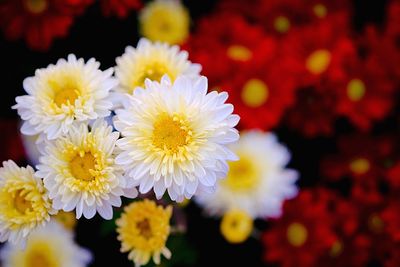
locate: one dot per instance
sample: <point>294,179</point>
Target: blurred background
<point>333,75</point>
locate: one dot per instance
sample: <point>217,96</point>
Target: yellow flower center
<point>40,254</point>
<point>318,61</point>
<point>320,10</point>
<point>355,89</point>
<point>82,166</point>
<point>239,52</point>
<point>336,249</point>
<point>65,97</point>
<point>36,6</point>
<point>236,226</point>
<point>21,204</point>
<point>154,72</point>
<point>297,234</point>
<point>254,93</point>
<point>282,24</point>
<point>375,223</point>
<point>242,175</point>
<point>170,133</point>
<point>359,166</point>
<point>144,228</point>
<point>64,89</point>
<point>37,259</point>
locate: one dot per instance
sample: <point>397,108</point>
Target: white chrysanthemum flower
<point>151,61</point>
<point>79,171</point>
<point>258,182</point>
<point>175,136</point>
<point>50,246</point>
<point>24,203</point>
<point>62,94</point>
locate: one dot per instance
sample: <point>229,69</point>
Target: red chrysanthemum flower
<point>261,95</point>
<point>360,156</point>
<point>279,16</point>
<point>39,22</point>
<point>303,234</point>
<point>119,8</point>
<point>224,42</point>
<point>365,160</point>
<point>313,113</point>
<point>365,91</point>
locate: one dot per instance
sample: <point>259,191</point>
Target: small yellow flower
<point>24,203</point>
<point>143,231</point>
<point>236,226</point>
<point>165,20</point>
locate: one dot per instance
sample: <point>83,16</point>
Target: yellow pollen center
<point>20,203</point>
<point>36,6</point>
<point>359,166</point>
<point>375,223</point>
<point>242,175</point>
<point>336,249</point>
<point>82,166</point>
<point>320,10</point>
<point>255,93</point>
<point>318,61</point>
<point>297,234</point>
<point>282,24</point>
<point>154,72</point>
<point>239,52</point>
<point>170,133</point>
<point>144,228</point>
<point>355,89</point>
<point>65,97</point>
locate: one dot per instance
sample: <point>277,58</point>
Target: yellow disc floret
<point>355,90</point>
<point>254,93</point>
<point>297,234</point>
<point>318,61</point>
<point>243,175</point>
<point>143,231</point>
<point>239,52</point>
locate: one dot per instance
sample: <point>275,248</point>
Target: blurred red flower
<point>119,8</point>
<point>39,22</point>
<point>304,232</point>
<point>280,16</point>
<point>224,44</point>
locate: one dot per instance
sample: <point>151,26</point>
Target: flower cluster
<point>170,135</point>
<point>314,176</point>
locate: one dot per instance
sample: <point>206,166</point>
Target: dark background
<point>93,35</point>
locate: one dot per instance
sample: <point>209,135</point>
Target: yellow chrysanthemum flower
<point>143,231</point>
<point>236,226</point>
<point>24,204</point>
<point>49,246</point>
<point>165,20</point>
